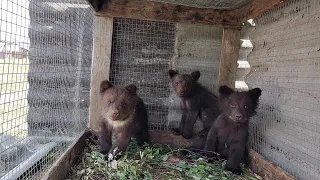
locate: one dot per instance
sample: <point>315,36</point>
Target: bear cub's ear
<point>225,91</point>
<point>254,95</point>
<point>105,85</point>
<point>132,89</point>
<point>195,75</point>
<point>172,73</point>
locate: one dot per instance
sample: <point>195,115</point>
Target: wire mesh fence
<point>144,51</point>
<point>44,107</point>
<point>45,64</point>
<point>285,64</point>
<point>45,71</point>
<point>141,54</point>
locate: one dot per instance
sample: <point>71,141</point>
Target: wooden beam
<point>252,10</point>
<point>159,11</point>
<point>101,58</point>
<point>266,169</point>
<point>228,58</point>
<point>62,166</point>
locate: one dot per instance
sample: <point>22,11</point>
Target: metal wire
<point>144,51</point>
<point>141,53</point>
<point>45,63</point>
<point>285,64</point>
<point>43,108</point>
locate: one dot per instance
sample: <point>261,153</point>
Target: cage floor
<point>156,161</point>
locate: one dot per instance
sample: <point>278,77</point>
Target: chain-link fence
<point>45,64</point>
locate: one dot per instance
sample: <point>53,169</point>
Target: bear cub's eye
<point>245,106</point>
<point>123,104</point>
<point>232,105</point>
<point>109,102</point>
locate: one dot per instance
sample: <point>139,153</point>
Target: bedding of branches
<point>150,162</point>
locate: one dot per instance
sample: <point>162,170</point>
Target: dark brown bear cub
<point>123,112</point>
<point>228,135</point>
<point>196,102</point>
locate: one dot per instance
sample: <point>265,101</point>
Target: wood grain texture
<point>158,11</point>
<point>229,56</point>
<point>101,58</point>
<point>62,166</point>
<point>266,169</point>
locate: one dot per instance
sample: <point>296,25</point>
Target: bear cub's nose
<point>239,117</point>
<point>115,114</point>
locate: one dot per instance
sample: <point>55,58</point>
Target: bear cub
<point>196,102</point>
<point>228,135</point>
<point>123,112</point>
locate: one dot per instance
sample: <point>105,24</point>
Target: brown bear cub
<point>123,112</point>
<point>228,135</point>
<point>196,102</point>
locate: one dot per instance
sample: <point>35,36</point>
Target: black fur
<point>141,132</point>
<point>228,135</point>
<point>98,4</point>
<point>196,102</point>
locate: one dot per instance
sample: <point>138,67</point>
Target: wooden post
<point>229,56</point>
<point>267,169</point>
<point>101,58</point>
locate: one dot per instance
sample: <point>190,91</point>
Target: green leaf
<point>165,158</point>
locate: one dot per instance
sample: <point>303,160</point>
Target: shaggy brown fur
<point>228,135</point>
<point>196,102</point>
<point>124,112</point>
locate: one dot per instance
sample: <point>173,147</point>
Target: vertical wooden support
<point>229,56</point>
<point>101,58</point>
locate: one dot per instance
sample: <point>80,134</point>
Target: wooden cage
<point>231,20</point>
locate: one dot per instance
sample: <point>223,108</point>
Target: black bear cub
<point>123,112</point>
<point>228,135</point>
<point>196,102</point>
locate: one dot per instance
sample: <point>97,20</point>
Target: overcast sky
<point>14,22</point>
